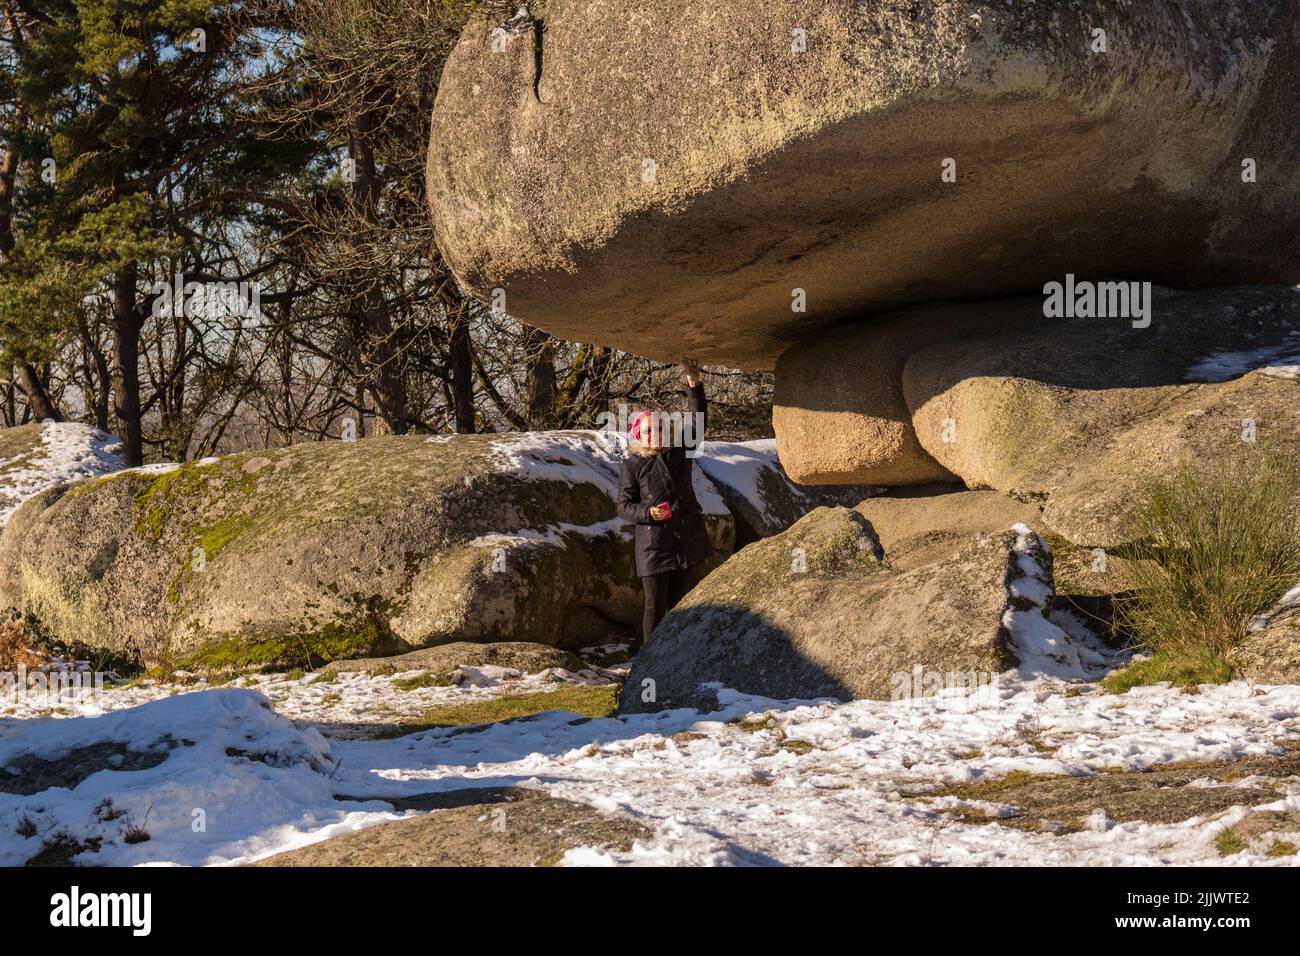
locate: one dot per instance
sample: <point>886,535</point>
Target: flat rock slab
<point>1171,794</point>
<point>918,526</point>
<point>508,827</point>
<point>787,150</point>
<point>1070,411</point>
<point>516,655</point>
<point>1082,414</point>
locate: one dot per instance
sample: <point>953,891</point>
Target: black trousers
<point>662,592</point>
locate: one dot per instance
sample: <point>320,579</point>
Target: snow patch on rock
<point>1048,643</point>
<point>68,452</point>
<point>1278,361</point>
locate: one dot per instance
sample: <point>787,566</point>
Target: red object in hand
<point>668,508</point>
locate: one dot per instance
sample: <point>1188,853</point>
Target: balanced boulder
<point>721,180</point>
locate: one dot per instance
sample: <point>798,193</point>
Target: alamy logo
<point>215,298</point>
<point>1098,300</point>
<point>74,909</point>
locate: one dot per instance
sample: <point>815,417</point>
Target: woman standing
<point>657,495</point>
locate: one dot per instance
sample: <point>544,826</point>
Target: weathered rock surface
<point>1081,414</point>
<point>1271,651</point>
<point>1005,398</point>
<point>925,524</point>
<point>838,409</point>
<point>816,612</point>
<point>331,550</point>
<point>516,655</point>
<point>672,205</point>
<point>839,412</point>
<point>507,826</point>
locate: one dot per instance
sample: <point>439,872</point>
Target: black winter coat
<point>652,479</point>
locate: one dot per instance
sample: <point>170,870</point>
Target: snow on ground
<point>820,783</point>
<point>68,451</point>
<point>734,796</point>
<point>238,781</point>
<point>342,704</point>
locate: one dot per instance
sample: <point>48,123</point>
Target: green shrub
<point>1215,546</point>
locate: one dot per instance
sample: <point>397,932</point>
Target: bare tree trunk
<point>101,381</point>
<point>8,171</point>
<point>387,386</point>
<point>38,397</point>
<point>126,365</point>
<point>541,380</point>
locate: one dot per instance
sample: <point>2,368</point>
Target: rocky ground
<point>283,768</point>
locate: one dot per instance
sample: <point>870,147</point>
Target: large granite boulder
<point>340,549</point>
<point>666,177</point>
<point>821,611</point>
<point>1077,413</point>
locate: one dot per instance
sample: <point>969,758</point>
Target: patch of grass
<point>752,726</point>
<point>1227,842</point>
<point>988,790</point>
<point>106,811</point>
<point>1187,674</point>
<point>584,699</point>
<point>1214,547</point>
<point>1282,848</point>
<point>61,848</point>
